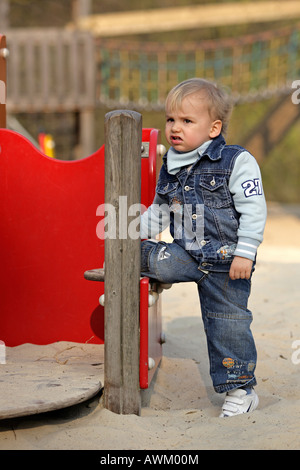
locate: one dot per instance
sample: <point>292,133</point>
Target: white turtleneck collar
<point>176,160</point>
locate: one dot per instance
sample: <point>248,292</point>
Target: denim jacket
<point>203,217</point>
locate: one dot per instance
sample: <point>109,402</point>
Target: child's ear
<point>216,129</point>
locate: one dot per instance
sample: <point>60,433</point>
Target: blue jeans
<point>226,318</point>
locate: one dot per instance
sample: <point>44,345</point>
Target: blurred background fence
<point>252,67</point>
<point>56,69</point>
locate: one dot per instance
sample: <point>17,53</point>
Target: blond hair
<point>219,103</point>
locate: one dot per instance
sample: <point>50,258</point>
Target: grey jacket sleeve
<point>246,188</point>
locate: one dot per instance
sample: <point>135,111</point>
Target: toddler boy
<point>210,195</point>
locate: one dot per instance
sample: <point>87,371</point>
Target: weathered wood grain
<point>40,378</point>
<point>123,137</point>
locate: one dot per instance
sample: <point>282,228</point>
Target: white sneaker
<point>238,401</point>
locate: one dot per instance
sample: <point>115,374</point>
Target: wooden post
<point>123,139</point>
<point>4,15</point>
<point>3,55</point>
<point>86,130</point>
<point>81,8</point>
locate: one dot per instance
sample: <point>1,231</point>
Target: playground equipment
<point>138,75</point>
<point>49,212</point>
<point>53,70</point>
<point>117,72</point>
<point>49,208</point>
<point>252,67</point>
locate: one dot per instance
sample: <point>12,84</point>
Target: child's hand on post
<point>240,268</point>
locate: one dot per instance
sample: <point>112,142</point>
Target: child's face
<point>190,125</point>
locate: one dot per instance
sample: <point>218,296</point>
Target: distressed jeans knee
<point>168,263</point>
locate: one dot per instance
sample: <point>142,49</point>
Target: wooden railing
<point>50,70</point>
<point>53,70</point>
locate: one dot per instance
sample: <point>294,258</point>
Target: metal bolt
<point>4,52</point>
<point>151,363</point>
<point>160,150</point>
<point>162,338</point>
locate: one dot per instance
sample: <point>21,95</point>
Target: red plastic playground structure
<point>48,217</point>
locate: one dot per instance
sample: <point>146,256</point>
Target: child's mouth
<point>176,139</point>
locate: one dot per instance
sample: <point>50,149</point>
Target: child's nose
<point>175,126</point>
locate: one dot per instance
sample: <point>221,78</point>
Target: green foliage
<point>281,170</point>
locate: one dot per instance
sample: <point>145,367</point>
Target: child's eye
<point>187,121</point>
<point>170,120</point>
